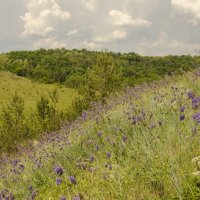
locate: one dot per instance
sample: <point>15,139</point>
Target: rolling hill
<point>31,91</point>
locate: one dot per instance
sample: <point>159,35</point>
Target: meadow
<point>31,92</point>
<point>143,144</point>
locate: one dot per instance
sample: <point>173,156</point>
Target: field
<point>144,144</point>
<point>31,91</point>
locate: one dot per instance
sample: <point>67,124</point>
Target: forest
<point>69,67</point>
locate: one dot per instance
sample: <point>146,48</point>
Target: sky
<point>147,27</point>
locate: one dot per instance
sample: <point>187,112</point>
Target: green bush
<point>13,125</point>
<point>49,117</point>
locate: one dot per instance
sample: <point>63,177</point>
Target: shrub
<point>49,117</point>
<point>13,126</point>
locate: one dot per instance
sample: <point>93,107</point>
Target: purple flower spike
<point>58,170</point>
<point>108,155</point>
<point>182,109</point>
<point>58,181</point>
<point>62,198</point>
<point>191,95</point>
<point>84,115</point>
<point>33,195</point>
<point>72,179</point>
<point>99,134</point>
<point>77,197</point>
<point>182,117</point>
<point>96,147</point>
<point>124,138</point>
<point>195,103</point>
<point>21,167</point>
<point>91,158</point>
<point>196,117</point>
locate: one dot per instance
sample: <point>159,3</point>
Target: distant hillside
<point>30,91</point>
<point>69,67</point>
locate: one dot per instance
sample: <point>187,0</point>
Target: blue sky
<point>148,27</point>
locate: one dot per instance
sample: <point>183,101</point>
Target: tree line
<point>70,67</point>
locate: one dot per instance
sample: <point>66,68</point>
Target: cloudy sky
<point>148,27</point>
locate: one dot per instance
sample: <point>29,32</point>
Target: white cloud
<point>191,7</point>
<point>49,43</point>
<point>92,45</point>
<point>114,36</point>
<point>119,18</point>
<point>101,39</point>
<point>41,17</point>
<point>72,32</point>
<point>118,35</point>
<point>165,46</point>
<point>90,4</point>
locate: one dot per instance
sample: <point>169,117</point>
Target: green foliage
<point>49,116</point>
<point>17,128</point>
<point>69,67</point>
<point>103,79</point>
<point>77,107</point>
<point>13,126</point>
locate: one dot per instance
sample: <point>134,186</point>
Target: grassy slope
<point>138,149</point>
<point>30,91</point>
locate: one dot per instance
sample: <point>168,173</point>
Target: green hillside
<point>143,145</point>
<point>31,91</point>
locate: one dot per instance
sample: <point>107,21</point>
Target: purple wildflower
<point>108,155</point>
<point>99,134</point>
<point>58,181</point>
<point>77,197</point>
<point>21,167</point>
<point>196,117</point>
<point>152,126</point>
<point>84,115</point>
<point>6,195</point>
<point>96,147</point>
<point>182,109</point>
<point>191,95</point>
<point>195,102</point>
<point>62,198</point>
<point>58,170</point>
<point>182,117</point>
<point>33,195</point>
<point>91,158</point>
<point>30,188</point>
<point>14,162</point>
<point>124,139</point>
<point>197,73</point>
<point>72,179</point>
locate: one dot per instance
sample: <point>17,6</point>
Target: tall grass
<point>31,92</point>
<point>28,109</point>
<point>139,146</point>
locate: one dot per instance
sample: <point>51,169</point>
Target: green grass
<point>151,150</point>
<point>31,92</point>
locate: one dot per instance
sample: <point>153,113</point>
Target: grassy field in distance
<point>31,91</point>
